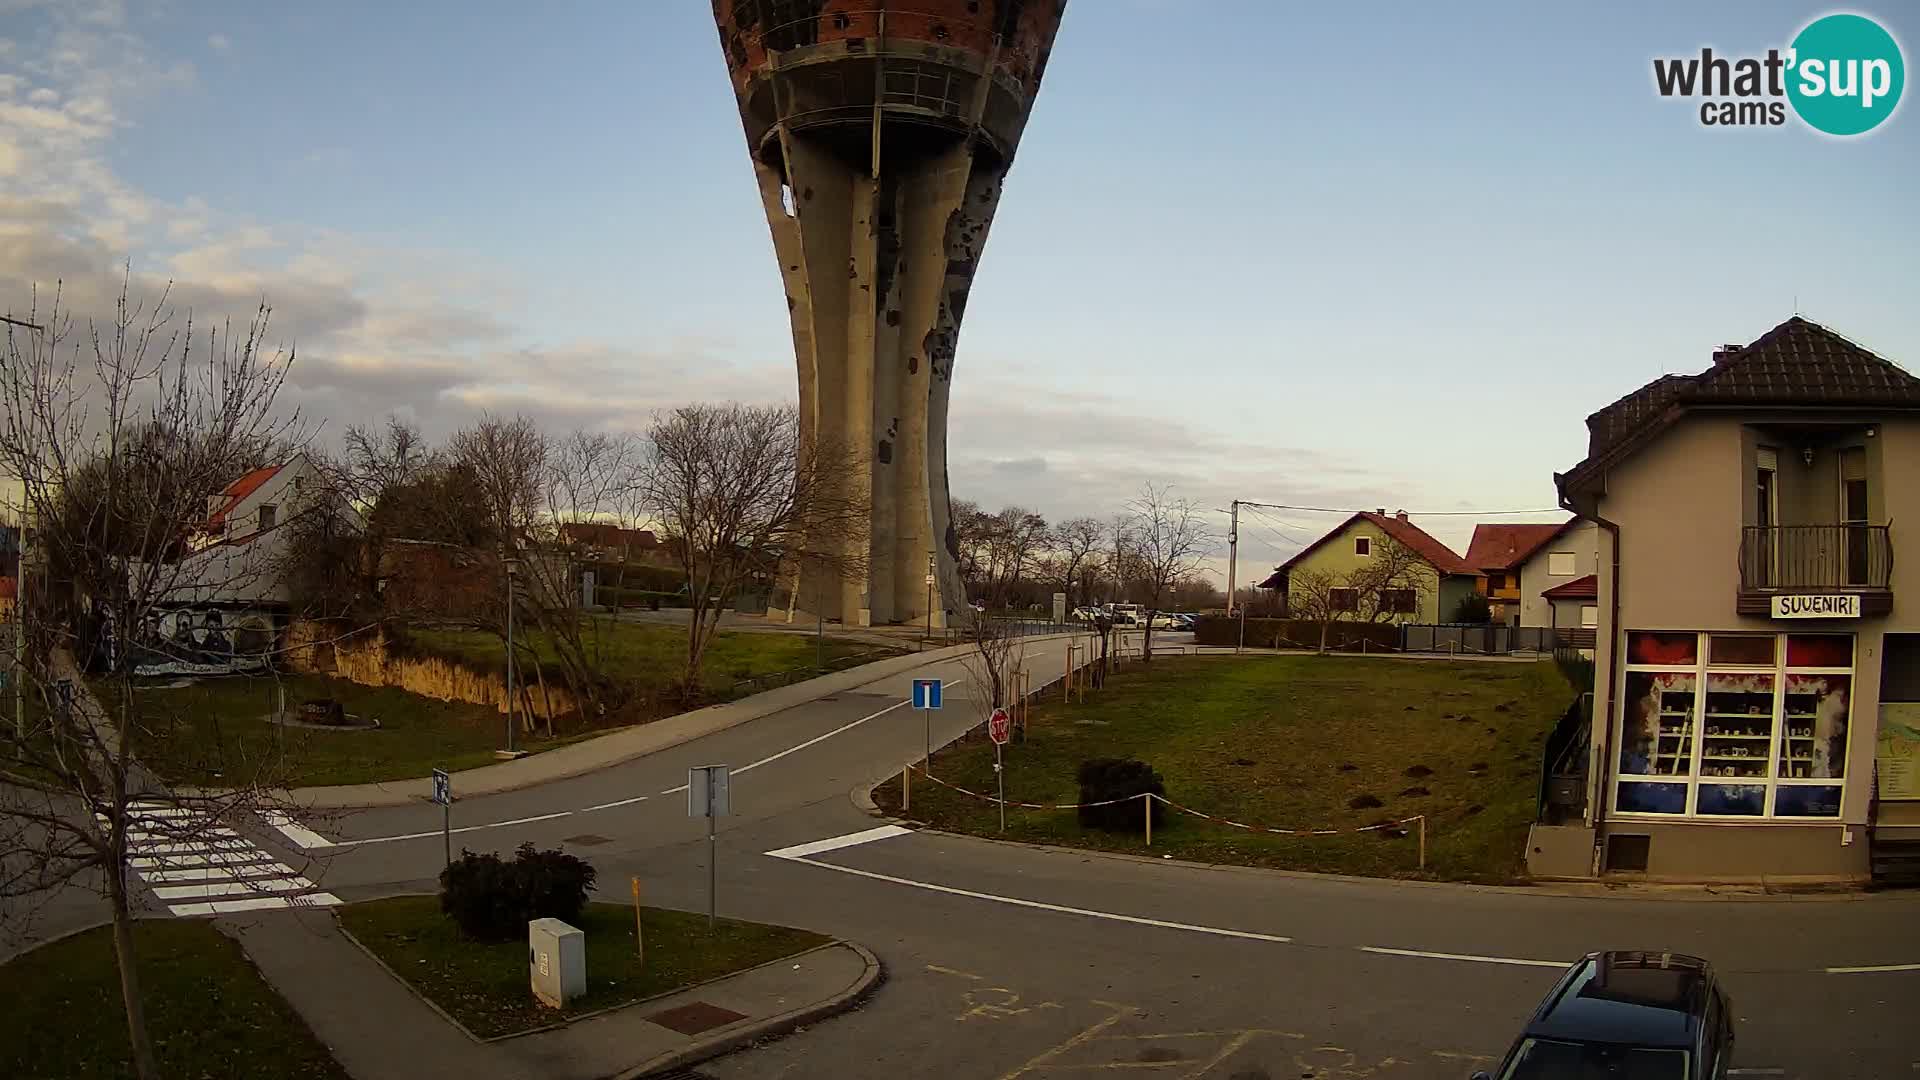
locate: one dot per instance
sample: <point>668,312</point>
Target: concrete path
<point>379,1029</point>
<point>626,744</point>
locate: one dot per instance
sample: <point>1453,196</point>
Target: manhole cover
<point>586,840</point>
<point>696,1017</point>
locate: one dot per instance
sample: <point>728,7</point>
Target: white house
<point>1557,581</point>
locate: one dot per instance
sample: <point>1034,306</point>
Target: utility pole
<point>1233,553</point>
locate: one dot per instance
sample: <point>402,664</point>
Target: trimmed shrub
<point>1103,779</point>
<point>493,900</point>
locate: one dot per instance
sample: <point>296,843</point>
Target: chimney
<point>1401,514</point>
<point>1724,353</point>
<point>1382,512</point>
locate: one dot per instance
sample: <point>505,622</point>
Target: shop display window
<point>1819,650</point>
<point>1739,800</point>
<point>1663,649</point>
<point>1734,725</point>
<point>1738,735</point>
<point>1807,800</point>
<point>1657,739</point>
<point>1740,650</point>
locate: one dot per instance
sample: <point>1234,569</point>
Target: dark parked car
<point>1627,1016</point>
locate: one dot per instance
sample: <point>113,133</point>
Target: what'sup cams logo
<point>1842,75</point>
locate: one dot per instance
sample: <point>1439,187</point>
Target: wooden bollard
<point>1146,802</point>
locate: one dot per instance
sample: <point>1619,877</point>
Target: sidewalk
<point>378,1029</point>
<point>588,755</point>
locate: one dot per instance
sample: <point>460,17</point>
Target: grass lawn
<point>649,657</point>
<point>484,986</point>
<point>215,732</point>
<point>1286,742</point>
<point>209,1013</point>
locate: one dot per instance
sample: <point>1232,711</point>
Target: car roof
<point>1651,999</point>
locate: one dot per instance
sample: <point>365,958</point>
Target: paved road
<point>1012,961</point>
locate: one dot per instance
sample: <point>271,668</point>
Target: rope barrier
<point>1164,801</point>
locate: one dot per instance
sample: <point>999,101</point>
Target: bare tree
<point>741,494</point>
<point>1014,538</point>
<point>89,426</point>
<point>1170,540</point>
<point>998,651</point>
<point>1076,543</point>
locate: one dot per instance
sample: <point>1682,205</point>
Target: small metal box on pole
<point>707,797</point>
<point>557,961</point>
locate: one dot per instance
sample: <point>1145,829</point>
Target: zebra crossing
<point>197,866</point>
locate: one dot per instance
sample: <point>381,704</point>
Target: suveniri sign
<point>1816,607</point>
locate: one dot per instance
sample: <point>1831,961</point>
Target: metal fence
<point>1815,556</point>
<point>1481,639</point>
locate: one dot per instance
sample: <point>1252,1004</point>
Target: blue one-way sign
<point>926,693</point>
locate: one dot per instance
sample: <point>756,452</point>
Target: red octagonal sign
<point>999,728</point>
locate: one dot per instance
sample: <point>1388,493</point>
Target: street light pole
<point>929,639</point>
<point>512,565</point>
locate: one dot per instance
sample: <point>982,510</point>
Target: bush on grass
<point>1106,779</point>
<point>493,900</point>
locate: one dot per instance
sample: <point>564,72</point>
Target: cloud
<point>219,43</point>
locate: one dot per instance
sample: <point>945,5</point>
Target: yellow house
<point>1433,586</point>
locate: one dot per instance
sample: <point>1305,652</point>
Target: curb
<point>774,1026</point>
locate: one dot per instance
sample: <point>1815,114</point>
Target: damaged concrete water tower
<point>881,137</point>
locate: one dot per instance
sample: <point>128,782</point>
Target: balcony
<point>1815,560</point>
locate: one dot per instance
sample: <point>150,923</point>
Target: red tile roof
<point>1797,364</point>
<point>238,491</point>
<point>1505,546</point>
<point>1439,555</point>
<point>1581,588</point>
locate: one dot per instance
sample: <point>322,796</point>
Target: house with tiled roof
<point>1436,583</point>
<point>1497,551</point>
<point>1754,652</point>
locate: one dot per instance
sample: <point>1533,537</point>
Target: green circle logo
<point>1845,74</point>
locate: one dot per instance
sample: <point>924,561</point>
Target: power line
<point>1409,513</point>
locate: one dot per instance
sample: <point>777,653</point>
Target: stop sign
<point>999,727</point>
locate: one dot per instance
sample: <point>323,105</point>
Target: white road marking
<point>821,738</point>
<point>1871,968</point>
<point>1469,957</point>
<point>1016,901</point>
<point>231,888</point>
<point>834,843</point>
<point>160,812</point>
<point>141,836</point>
<point>226,858</point>
<point>210,847</point>
<point>617,802</point>
<point>255,903</point>
<point>294,831</point>
<point>219,873</point>
<point>462,829</point>
<point>768,760</point>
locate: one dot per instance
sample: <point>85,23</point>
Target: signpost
<point>1000,729</point>
<point>707,797</point>
<point>926,698</point>
<point>443,794</point>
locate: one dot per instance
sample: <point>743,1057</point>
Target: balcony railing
<point>1793,558</point>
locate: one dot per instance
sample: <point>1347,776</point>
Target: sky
<point>1333,255</point>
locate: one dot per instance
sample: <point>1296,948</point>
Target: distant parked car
<point>1630,1015</point>
<point>1166,620</point>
